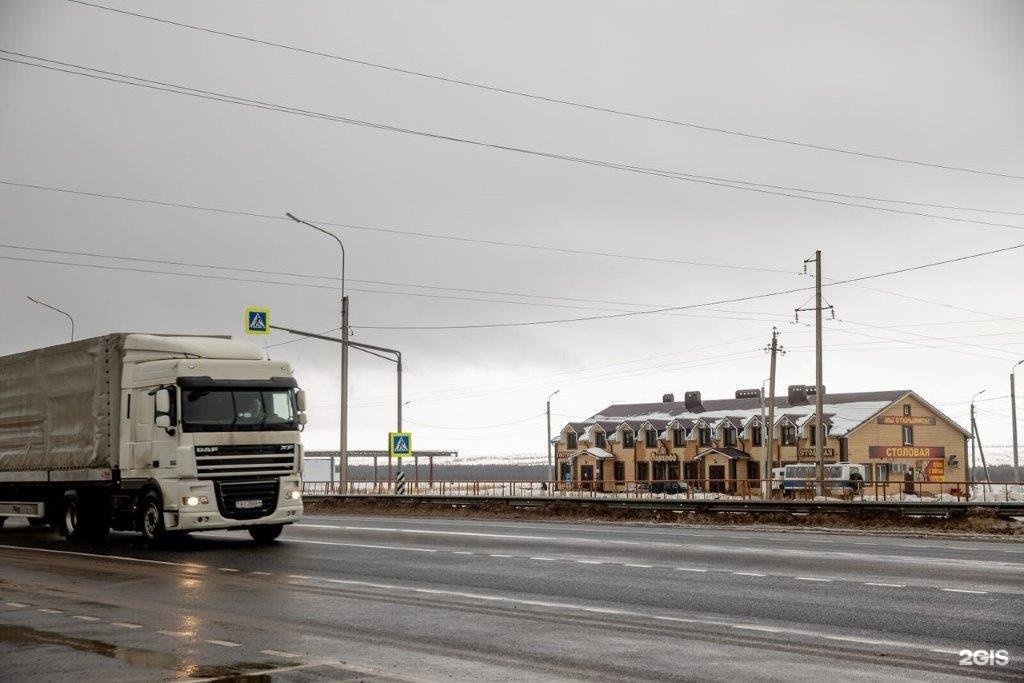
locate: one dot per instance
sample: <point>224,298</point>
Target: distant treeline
<point>996,473</point>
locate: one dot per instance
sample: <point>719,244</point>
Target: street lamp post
<point>551,462</point>
<point>1013,420</point>
<point>343,416</point>
<point>54,308</point>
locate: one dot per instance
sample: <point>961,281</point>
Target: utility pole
<point>819,387</point>
<point>343,412</point>
<point>769,429</point>
<point>1013,421</point>
<point>765,452</point>
<point>551,462</point>
<point>976,438</point>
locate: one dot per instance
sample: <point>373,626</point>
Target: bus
<point>841,478</point>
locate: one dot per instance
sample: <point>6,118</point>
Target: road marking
<point>177,634</point>
<point>124,558</point>
<point>16,604</point>
<point>297,576</point>
<point>811,578</point>
<point>226,569</point>
<point>363,545</point>
<point>85,617</point>
<point>963,590</point>
<point>639,566</point>
<point>544,559</point>
<point>945,652</point>
<point>868,641</point>
<point>688,569</point>
<point>589,561</point>
<point>47,610</point>
<point>279,653</point>
<point>223,643</point>
<point>262,573</point>
<point>319,526</point>
<point>461,552</point>
<point>747,574</point>
<point>502,555</point>
<point>124,624</point>
<point>884,585</point>
<point>752,627</point>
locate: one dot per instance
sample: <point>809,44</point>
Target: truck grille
<point>230,461</point>
<point>247,498</point>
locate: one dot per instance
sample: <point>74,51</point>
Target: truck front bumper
<point>207,511</point>
<point>182,520</point>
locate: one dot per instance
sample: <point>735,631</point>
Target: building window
<point>620,472</point>
<point>566,469</point>
<point>678,438</point>
<point>908,435</point>
<point>755,436</point>
<point>753,470</point>
<point>788,435</point>
<point>570,440</point>
<point>730,436</point>
<point>642,471</point>
<point>628,439</point>
<point>906,409</point>
<point>599,440</point>
<point>814,435</point>
<point>705,436</point>
<point>651,438</point>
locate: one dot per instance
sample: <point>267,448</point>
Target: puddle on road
<point>241,671</point>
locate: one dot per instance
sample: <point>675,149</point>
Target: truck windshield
<point>222,410</point>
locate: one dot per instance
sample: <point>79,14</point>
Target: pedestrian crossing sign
<point>257,321</point>
<point>400,444</point>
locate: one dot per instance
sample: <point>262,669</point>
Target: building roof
<point>732,453</point>
<point>599,453</point>
<point>845,411</point>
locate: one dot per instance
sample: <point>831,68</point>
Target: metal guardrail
<point>732,495</point>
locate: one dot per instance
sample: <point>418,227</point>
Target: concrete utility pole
<point>976,437</point>
<point>770,427</point>
<point>551,462</point>
<point>766,465</point>
<point>819,426</point>
<point>1013,421</point>
<point>54,308</point>
<point>343,417</point>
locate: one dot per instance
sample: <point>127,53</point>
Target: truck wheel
<point>71,519</point>
<point>151,518</point>
<point>266,533</point>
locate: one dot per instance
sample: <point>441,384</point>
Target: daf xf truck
<point>151,433</point>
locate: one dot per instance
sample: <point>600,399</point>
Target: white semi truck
<point>150,433</point>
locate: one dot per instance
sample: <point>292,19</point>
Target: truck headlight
<point>295,494</point>
<point>194,500</point>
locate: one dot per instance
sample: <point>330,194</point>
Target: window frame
<point>650,438</point>
<point>600,438</point>
<point>908,435</point>
<point>906,410</point>
<point>628,438</point>
<point>787,434</point>
<point>571,439</point>
<point>678,438</point>
<point>756,435</point>
<point>704,437</point>
<point>729,436</point>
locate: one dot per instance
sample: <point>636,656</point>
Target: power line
<point>553,100</point>
<point>137,81</point>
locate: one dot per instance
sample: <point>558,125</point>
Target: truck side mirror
<point>303,419</point>
<point>300,401</point>
<point>163,421</point>
<point>164,409</point>
<point>162,400</point>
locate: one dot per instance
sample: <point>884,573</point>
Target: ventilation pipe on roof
<point>668,398</point>
<point>798,394</point>
<point>748,393</point>
<point>691,399</point>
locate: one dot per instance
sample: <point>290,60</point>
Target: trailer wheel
<point>151,518</point>
<point>71,517</point>
<point>266,533</point>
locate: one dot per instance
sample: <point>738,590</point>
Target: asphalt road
<point>381,598</point>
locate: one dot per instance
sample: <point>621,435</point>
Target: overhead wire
<point>554,100</point>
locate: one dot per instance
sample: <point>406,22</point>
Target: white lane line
<point>690,569</point>
<point>752,627</point>
<point>639,566</point>
<point>15,604</point>
<point>747,574</point>
<point>544,559</point>
<point>47,610</point>
<point>177,634</point>
<point>884,585</point>
<point>812,578</point>
<point>279,653</point>
<point>589,561</point>
<point>85,617</point>
<point>319,526</point>
<point>507,556</point>
<point>262,573</point>
<point>868,641</point>
<point>297,576</point>
<point>124,558</point>
<point>461,552</point>
<point>363,545</point>
<point>223,643</point>
<point>226,569</point>
<point>944,652</point>
<point>124,624</point>
<point>963,590</point>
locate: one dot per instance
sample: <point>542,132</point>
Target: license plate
<point>248,503</point>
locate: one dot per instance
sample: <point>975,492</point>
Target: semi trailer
<point>152,433</point>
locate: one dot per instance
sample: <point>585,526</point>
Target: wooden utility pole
<point>769,429</point>
<point>819,426</point>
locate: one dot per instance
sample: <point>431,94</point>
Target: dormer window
<point>628,439</point>
<point>570,440</point>
<point>704,434</point>
<point>788,435</point>
<point>678,438</point>
<point>755,435</point>
<point>599,440</point>
<point>651,438</point>
<point>730,436</point>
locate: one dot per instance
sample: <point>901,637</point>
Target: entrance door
<point>587,476</point>
<point>658,478</point>
<point>716,477</point>
<point>908,482</point>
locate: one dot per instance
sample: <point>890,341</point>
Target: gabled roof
<point>599,453</point>
<point>729,451</point>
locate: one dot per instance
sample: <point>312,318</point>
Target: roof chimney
<point>748,393</point>
<point>691,399</point>
<point>812,390</point>
<point>798,394</point>
<point>668,398</point>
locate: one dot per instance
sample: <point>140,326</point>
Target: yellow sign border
<point>256,309</point>
<point>391,444</point>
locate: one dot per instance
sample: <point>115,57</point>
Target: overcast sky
<point>938,82</point>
